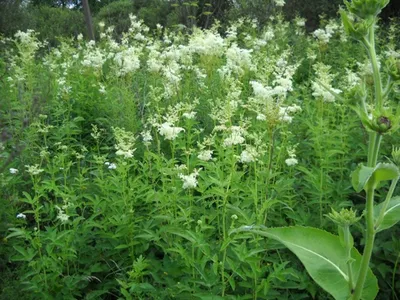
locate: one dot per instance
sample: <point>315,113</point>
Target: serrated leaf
<point>391,215</point>
<point>323,256</point>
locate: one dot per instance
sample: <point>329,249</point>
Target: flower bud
<point>344,218</point>
<point>366,8</point>
<point>396,155</point>
<point>382,122</point>
<point>355,29</point>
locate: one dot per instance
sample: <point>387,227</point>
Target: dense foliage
<point>64,18</point>
<point>125,163</point>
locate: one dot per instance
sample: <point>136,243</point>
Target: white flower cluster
<point>285,111</point>
<point>238,61</point>
<point>61,215</point>
<point>249,155</point>
<point>205,155</point>
<point>292,160</point>
<point>206,42</point>
<point>33,170</point>
<point>324,35</point>
<point>28,43</point>
<point>13,171</point>
<point>127,61</point>
<point>279,3</point>
<point>168,131</point>
<point>93,57</point>
<point>110,166</point>
<point>190,181</point>
<point>235,137</point>
<point>322,87</point>
<point>125,142</point>
<point>146,137</point>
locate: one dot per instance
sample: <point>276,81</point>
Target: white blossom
<point>291,161</point>
<point>190,181</point>
<point>205,155</point>
<point>13,171</point>
<point>21,216</point>
<point>168,131</point>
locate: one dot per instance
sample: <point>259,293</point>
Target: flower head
<point>33,170</point>
<point>13,171</point>
<point>21,216</point>
<point>168,131</point>
<point>125,142</point>
<point>205,155</point>
<point>190,181</point>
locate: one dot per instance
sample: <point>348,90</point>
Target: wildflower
<point>146,137</point>
<point>180,167</point>
<point>261,117</point>
<point>300,22</point>
<point>34,170</point>
<point>189,181</point>
<point>279,3</point>
<point>249,155</point>
<point>62,216</point>
<point>235,137</point>
<point>189,115</point>
<point>112,166</point>
<point>13,171</point>
<point>205,155</point>
<point>168,131</point>
<point>102,89</point>
<point>292,160</point>
<point>125,142</point>
<point>322,35</point>
<point>21,216</point>
<point>322,87</point>
<point>44,153</point>
<point>96,133</point>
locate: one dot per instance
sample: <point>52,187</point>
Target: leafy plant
<point>332,261</point>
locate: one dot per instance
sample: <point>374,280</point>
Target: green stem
<point>349,246</point>
<point>374,62</point>
<point>224,229</point>
<point>369,244</point>
<point>373,148</point>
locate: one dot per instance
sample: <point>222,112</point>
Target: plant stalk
<point>369,244</point>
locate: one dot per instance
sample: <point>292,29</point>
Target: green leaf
<point>391,215</point>
<point>323,256</point>
<point>384,171</point>
<point>363,176</point>
<point>360,177</point>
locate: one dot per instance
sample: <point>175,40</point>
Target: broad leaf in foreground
<point>391,215</point>
<point>323,256</point>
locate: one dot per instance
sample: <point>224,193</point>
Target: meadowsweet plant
<point>332,261</point>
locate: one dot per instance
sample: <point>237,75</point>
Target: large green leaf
<point>363,176</point>
<point>391,215</point>
<point>323,256</point>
